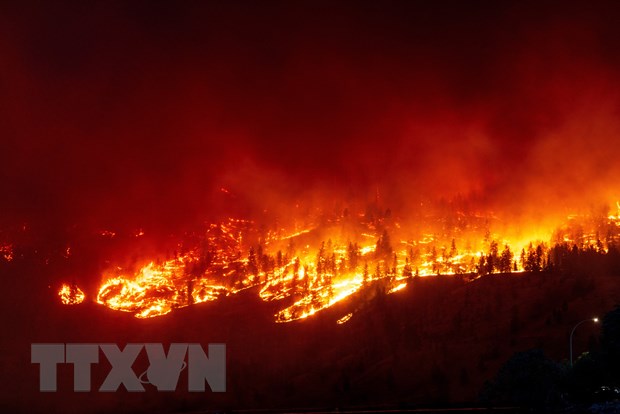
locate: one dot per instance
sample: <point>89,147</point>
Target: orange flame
<point>70,294</point>
<point>316,280</point>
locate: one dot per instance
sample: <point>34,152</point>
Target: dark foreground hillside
<point>435,342</point>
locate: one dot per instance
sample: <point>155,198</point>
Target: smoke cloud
<point>166,114</point>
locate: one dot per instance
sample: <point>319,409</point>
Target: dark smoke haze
<point>139,113</point>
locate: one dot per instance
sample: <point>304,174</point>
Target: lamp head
<point>595,319</point>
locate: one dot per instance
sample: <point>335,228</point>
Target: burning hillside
<point>310,269</point>
<point>344,173</point>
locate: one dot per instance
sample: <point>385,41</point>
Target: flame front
<point>157,289</point>
<point>283,267</point>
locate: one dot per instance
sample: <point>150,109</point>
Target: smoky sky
<point>143,111</point>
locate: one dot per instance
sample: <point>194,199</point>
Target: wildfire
<point>320,297</point>
<point>157,289</point>
<point>70,294</point>
<point>230,257</point>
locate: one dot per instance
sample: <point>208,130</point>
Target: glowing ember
<point>344,319</point>
<point>70,294</point>
<point>6,252</point>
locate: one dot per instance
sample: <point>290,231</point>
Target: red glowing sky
<point>118,111</point>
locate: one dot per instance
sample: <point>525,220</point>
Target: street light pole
<point>570,341</point>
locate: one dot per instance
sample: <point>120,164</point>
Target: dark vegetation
<point>531,379</point>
